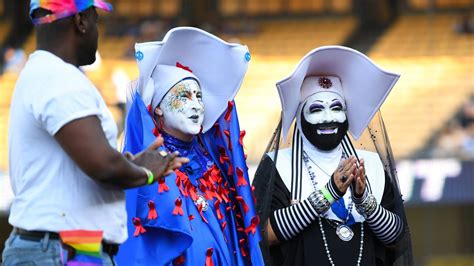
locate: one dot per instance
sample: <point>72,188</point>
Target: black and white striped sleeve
<point>290,221</point>
<point>386,225</point>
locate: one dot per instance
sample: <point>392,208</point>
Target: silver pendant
<point>344,232</point>
<point>202,201</point>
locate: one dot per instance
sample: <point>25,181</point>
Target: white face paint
<point>325,107</point>
<point>183,109</point>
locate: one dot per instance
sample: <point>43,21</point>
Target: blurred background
<point>429,114</point>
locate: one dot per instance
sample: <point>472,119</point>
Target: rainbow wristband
<point>150,176</point>
<point>327,195</point>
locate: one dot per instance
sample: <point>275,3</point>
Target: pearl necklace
<point>312,175</point>
<point>359,258</point>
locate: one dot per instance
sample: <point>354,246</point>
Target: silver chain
<point>326,246</point>
<point>312,176</point>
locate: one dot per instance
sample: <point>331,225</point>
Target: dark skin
<point>75,40</point>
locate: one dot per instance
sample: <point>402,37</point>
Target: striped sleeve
<point>386,225</point>
<point>290,221</point>
<point>332,188</point>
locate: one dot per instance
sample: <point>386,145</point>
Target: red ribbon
<point>241,179</point>
<point>241,138</point>
<point>162,185</point>
<point>230,170</point>
<point>152,214</point>
<point>253,225</point>
<point>209,261</point>
<point>223,156</point>
<point>227,134</point>
<point>200,213</point>
<point>218,129</point>
<point>192,190</point>
<point>205,180</point>
<point>242,247</point>
<point>215,175</point>
<point>223,193</point>
<point>223,225</point>
<point>155,132</point>
<point>230,106</point>
<point>179,260</point>
<point>180,178</point>
<point>253,195</point>
<point>207,192</point>
<point>183,67</point>
<point>190,218</point>
<point>238,216</point>
<point>242,201</point>
<point>218,211</point>
<point>177,207</point>
<point>216,193</point>
<point>138,226</point>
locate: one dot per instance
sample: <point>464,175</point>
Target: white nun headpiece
<point>186,52</point>
<point>363,84</point>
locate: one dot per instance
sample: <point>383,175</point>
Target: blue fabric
<point>170,236</point>
<point>198,161</point>
<point>339,209</point>
<point>214,139</point>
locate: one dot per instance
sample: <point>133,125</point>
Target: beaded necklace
<point>196,168</point>
<point>312,176</point>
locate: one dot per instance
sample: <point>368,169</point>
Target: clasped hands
<point>347,173</point>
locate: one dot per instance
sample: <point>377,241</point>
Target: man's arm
<point>85,142</point>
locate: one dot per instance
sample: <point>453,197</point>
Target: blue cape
<point>169,236</point>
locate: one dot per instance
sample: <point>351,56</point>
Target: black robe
<point>307,248</point>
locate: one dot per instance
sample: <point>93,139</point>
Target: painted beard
<point>315,133</point>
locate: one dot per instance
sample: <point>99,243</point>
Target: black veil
<point>374,139</point>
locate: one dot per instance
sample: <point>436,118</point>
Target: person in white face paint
<point>182,110</point>
<point>322,201</point>
<point>203,213</point>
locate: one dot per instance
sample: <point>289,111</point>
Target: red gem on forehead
<point>325,82</point>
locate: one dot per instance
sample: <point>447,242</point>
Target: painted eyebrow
<point>336,103</point>
<point>316,105</point>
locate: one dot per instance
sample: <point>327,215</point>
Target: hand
<point>344,174</point>
<point>359,180</point>
<point>157,163</point>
